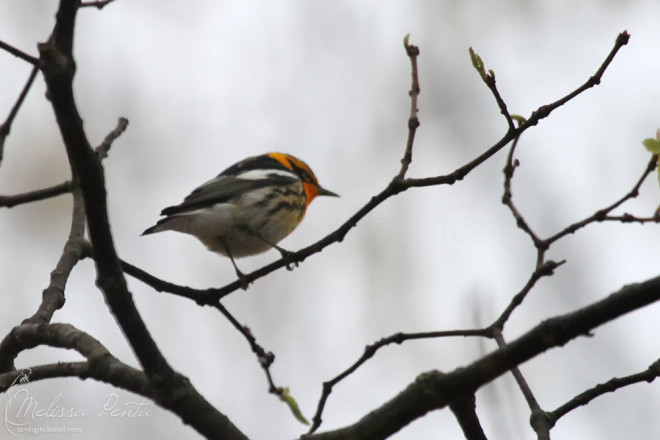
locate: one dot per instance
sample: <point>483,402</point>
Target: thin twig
<point>202,297</point>
<point>629,218</point>
<point>20,54</point>
<point>621,40</point>
<point>649,375</point>
<point>492,85</point>
<point>5,128</point>
<point>489,79</point>
<point>507,199</point>
<point>265,358</point>
<point>102,150</point>
<point>370,351</point>
<point>546,269</point>
<point>536,116</point>
<point>539,422</point>
<point>522,383</point>
<point>602,214</point>
<point>37,195</point>
<point>413,120</point>
<point>96,4</point>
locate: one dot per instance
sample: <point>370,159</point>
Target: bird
<point>248,208</point>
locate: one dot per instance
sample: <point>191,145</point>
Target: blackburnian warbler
<point>248,208</point>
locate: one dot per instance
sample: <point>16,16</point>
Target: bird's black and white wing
<point>223,188</point>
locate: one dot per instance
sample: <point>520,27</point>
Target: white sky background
<point>205,84</point>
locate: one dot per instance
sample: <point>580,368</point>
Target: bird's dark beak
<point>325,192</point>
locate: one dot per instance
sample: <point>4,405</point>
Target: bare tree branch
<point>602,214</point>
<point>542,429</point>
<point>536,116</point>
<point>629,218</point>
<point>107,370</point>
<point>76,246</point>
<point>489,79</point>
<point>5,128</point>
<point>434,390</point>
<point>370,351</point>
<point>464,409</point>
<point>42,372</point>
<point>26,336</point>
<point>172,391</point>
<point>413,120</point>
<point>101,365</point>
<point>546,269</point>
<point>19,53</point>
<point>35,196</point>
<point>507,199</point>
<point>396,186</point>
<point>74,251</point>
<point>265,358</point>
<point>59,69</point>
<point>96,4</point>
<point>649,375</point>
<point>102,150</point>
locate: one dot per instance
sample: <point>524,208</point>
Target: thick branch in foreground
<point>464,409</point>
<point>52,298</point>
<point>171,390</point>
<point>100,364</point>
<point>435,390</point>
<point>59,70</point>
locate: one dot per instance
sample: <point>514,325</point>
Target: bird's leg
<point>241,276</point>
<point>286,256</point>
